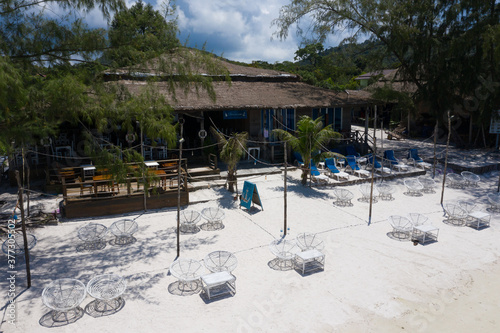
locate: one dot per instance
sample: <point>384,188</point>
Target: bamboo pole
<point>23,226</point>
<point>181,140</point>
<point>143,176</point>
<point>373,165</point>
<point>285,188</point>
<point>446,156</point>
<point>434,162</point>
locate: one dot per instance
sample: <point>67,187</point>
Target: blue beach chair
<point>317,176</point>
<point>417,160</point>
<point>353,165</point>
<point>330,165</point>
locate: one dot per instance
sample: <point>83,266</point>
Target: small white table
<point>310,260</point>
<point>151,164</point>
<point>425,233</point>
<point>253,151</point>
<point>480,219</point>
<point>218,284</point>
<point>88,170</point>
<point>361,160</point>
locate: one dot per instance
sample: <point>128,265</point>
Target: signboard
<point>235,114</point>
<point>495,123</point>
<point>249,195</point>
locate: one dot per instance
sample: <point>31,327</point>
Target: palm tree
<point>232,150</point>
<point>310,136</point>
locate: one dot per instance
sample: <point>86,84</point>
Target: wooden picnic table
<point>99,180</point>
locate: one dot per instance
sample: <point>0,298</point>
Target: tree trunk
<point>230,180</point>
<point>304,175</point>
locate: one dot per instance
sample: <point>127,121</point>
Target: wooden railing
<point>106,185</point>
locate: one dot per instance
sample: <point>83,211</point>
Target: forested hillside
<point>334,68</point>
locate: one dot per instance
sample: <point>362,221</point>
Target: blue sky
<point>238,30</point>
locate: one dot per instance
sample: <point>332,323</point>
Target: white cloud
<point>240,30</point>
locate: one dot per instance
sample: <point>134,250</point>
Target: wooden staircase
<point>200,177</point>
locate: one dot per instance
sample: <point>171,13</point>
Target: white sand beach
<point>371,281</point>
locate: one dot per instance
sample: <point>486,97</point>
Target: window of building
<point>331,116</point>
<point>276,119</point>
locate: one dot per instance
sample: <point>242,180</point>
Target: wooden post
<point>373,166</point>
<point>366,125</point>
<point>446,156</point>
<point>23,226</point>
<point>65,190</point>
<point>285,188</point>
<point>434,162</point>
<point>470,129</point>
<point>181,140</point>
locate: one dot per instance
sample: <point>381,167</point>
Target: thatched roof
<point>260,95</point>
<point>250,87</point>
<point>196,62</point>
<point>391,78</point>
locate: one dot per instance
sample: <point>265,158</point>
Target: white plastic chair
<point>494,199</point>
<point>385,191</point>
<point>343,196</point>
<point>365,190</point>
<point>414,187</point>
<point>401,226</point>
<point>428,183</point>
<point>470,178</point>
<point>308,241</point>
<point>456,214</point>
<point>455,180</point>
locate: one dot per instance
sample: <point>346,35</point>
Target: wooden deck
<point>106,204</point>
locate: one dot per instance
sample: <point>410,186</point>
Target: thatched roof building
<point>248,99</point>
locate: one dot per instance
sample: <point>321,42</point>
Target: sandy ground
<point>372,282</point>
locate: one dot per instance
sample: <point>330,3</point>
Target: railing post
<point>65,192</point>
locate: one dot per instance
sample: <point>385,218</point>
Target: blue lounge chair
<point>330,165</point>
<point>353,165</point>
<point>317,176</point>
<point>413,156</point>
<point>298,159</point>
<point>395,163</point>
<point>372,162</point>
<point>389,155</point>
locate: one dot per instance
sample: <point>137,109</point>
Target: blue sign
<point>249,195</point>
<point>235,114</point>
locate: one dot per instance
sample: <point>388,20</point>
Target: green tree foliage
<point>310,53</point>
<point>335,68</point>
<point>440,46</point>
<point>309,137</point>
<point>140,33</point>
<point>232,149</point>
<point>37,50</point>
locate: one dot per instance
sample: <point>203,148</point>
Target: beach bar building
<point>248,99</point>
